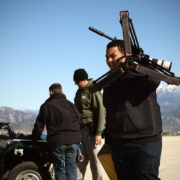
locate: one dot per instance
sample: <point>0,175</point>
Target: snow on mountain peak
<point>167,88</point>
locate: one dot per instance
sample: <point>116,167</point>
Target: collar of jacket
<point>90,81</point>
<point>56,96</point>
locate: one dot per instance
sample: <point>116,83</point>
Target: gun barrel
<point>101,33</point>
<point>107,80</point>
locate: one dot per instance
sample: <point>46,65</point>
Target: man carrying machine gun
<point>133,120</point>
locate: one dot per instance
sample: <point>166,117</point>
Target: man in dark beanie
<point>80,74</point>
<point>92,114</point>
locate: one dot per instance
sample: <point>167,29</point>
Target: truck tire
<point>29,171</point>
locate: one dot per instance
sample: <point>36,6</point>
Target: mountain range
<point>21,121</point>
<point>168,97</point>
<point>169,100</point>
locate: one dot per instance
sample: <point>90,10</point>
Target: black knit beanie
<point>80,74</point>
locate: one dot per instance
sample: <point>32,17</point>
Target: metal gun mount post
<point>140,61</point>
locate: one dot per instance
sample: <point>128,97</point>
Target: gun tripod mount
<point>135,59</point>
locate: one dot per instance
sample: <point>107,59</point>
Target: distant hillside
<point>168,98</point>
<point>20,120</point>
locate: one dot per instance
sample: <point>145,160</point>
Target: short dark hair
<point>55,88</point>
<point>117,43</point>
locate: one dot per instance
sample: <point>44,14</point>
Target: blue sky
<point>44,41</point>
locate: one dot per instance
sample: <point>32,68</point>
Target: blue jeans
<point>64,161</point>
<point>137,161</point>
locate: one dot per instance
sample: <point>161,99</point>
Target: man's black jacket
<point>132,111</point>
<point>61,119</point>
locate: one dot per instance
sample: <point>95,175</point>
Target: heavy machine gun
<point>135,59</point>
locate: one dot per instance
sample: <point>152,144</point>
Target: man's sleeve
<point>39,124</point>
<point>99,111</point>
<point>146,81</point>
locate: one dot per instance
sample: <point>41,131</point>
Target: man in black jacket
<point>63,132</point>
<point>133,120</point>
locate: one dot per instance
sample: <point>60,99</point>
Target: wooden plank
<point>104,156</point>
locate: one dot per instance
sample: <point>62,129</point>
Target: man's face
<point>80,84</point>
<point>112,54</point>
